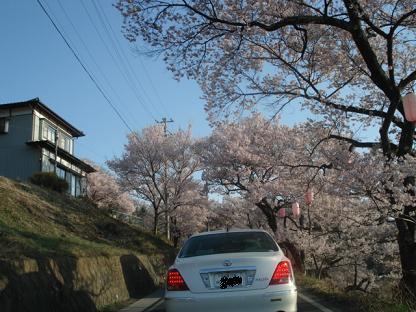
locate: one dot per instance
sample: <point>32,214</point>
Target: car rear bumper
<point>264,300</point>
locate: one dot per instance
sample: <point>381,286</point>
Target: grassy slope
<point>35,222</point>
<point>351,301</point>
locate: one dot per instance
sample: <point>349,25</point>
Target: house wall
<point>37,122</point>
<point>17,159</point>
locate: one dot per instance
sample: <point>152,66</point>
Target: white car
<point>231,271</point>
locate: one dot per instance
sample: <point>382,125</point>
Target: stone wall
<point>76,284</point>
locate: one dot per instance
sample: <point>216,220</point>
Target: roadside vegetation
<point>35,222</point>
<point>50,181</point>
<point>386,299</point>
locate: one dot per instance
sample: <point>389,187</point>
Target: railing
<point>128,218</point>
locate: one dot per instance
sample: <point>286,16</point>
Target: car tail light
<point>282,274</point>
<point>175,281</point>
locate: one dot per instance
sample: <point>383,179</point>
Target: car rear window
<point>228,243</point>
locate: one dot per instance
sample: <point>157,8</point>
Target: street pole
<point>56,151</point>
<point>165,177</point>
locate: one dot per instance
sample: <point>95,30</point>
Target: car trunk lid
<point>228,272</point>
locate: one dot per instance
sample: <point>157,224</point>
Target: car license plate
<point>229,280</point>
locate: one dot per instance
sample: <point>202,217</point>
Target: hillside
<point>39,223</point>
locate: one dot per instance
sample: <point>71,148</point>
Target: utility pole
<point>165,174</point>
<point>165,124</point>
<point>55,168</point>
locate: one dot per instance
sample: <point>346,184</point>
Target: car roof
<point>228,231</point>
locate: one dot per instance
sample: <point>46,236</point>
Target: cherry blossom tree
<point>236,212</point>
<point>382,185</point>
<point>188,220</point>
<point>160,170</point>
<point>348,60</point>
<point>267,164</point>
<point>106,193</point>
<point>350,241</point>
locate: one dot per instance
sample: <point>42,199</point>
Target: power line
<point>84,67</point>
<point>127,75</point>
<point>152,85</point>
<point>129,64</point>
<point>93,58</point>
<point>116,62</point>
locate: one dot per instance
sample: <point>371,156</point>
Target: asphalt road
<point>305,304</point>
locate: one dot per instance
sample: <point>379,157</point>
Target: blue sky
<point>35,62</point>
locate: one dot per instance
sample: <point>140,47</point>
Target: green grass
<point>35,222</point>
<point>350,301</point>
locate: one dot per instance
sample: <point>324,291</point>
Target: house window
<point>49,132</point>
<point>72,180</point>
<point>73,185</point>
<point>60,173</point>
<point>65,142</point>
<point>81,186</point>
<point>4,125</point>
<point>47,166</point>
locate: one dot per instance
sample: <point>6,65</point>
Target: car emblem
<point>227,263</point>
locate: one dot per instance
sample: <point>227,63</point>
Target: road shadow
<point>41,290</point>
<point>136,277</point>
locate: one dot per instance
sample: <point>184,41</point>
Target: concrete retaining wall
<point>76,284</point>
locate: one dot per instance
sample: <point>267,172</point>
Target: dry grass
<point>36,222</point>
<point>353,301</point>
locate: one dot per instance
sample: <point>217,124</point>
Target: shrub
<point>49,180</point>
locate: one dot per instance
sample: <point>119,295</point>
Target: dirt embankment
<point>58,253</point>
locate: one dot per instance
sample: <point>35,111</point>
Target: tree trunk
<point>155,222</point>
<point>295,256</point>
<point>269,214</point>
<point>175,241</point>
<point>167,219</point>
<point>407,247</point>
<point>406,237</point>
<point>249,224</point>
<point>175,233</point>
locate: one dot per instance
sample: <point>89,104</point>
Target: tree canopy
<point>344,59</point>
<point>349,61</point>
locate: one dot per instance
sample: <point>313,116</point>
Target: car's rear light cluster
<point>175,281</point>
<point>282,274</point>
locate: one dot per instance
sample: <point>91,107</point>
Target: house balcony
<point>49,132</point>
<point>64,158</point>
<point>66,166</point>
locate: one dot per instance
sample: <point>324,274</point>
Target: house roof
<point>65,155</point>
<point>38,105</point>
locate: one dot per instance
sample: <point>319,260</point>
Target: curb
<point>316,304</point>
<point>145,303</point>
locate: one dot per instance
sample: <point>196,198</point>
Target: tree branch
<point>354,142</point>
<point>404,82</point>
<point>287,21</point>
